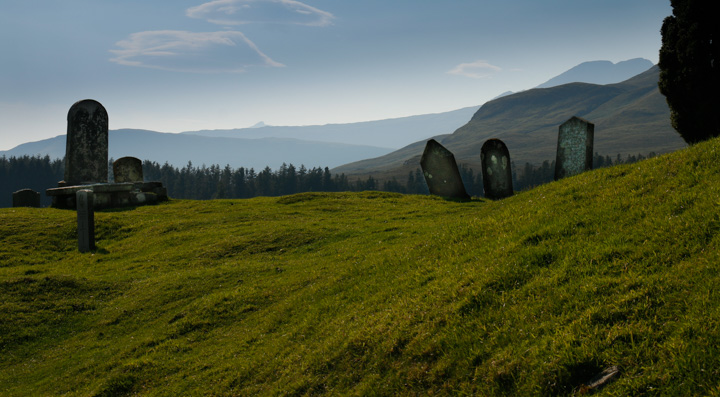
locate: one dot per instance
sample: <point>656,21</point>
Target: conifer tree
<point>690,69</point>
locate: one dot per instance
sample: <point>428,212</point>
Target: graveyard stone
<point>26,198</point>
<point>441,172</point>
<point>127,169</point>
<point>496,172</point>
<point>86,150</point>
<point>574,148</point>
<point>85,220</point>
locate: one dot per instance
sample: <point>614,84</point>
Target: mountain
<point>600,72</point>
<point>630,117</point>
<point>392,133</point>
<point>178,149</point>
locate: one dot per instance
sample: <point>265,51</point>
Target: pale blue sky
<point>180,65</point>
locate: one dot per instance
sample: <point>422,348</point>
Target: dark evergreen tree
<point>690,69</point>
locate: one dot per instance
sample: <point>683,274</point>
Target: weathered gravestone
<point>127,169</point>
<point>26,198</point>
<point>85,220</point>
<point>496,172</point>
<point>574,148</point>
<point>441,172</point>
<point>86,150</point>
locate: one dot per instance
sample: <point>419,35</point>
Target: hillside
<point>630,117</point>
<point>369,293</point>
<point>178,149</point>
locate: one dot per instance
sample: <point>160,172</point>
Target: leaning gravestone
<point>574,148</point>
<point>86,150</point>
<point>26,198</point>
<point>441,172</point>
<point>496,172</point>
<point>127,169</point>
<point>85,220</point>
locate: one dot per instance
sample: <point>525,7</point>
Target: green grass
<point>376,293</point>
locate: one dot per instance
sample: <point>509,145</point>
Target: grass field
<point>376,293</point>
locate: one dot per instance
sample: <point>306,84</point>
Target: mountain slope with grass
<point>630,117</point>
<point>377,293</point>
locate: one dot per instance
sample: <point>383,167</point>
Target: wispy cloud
<point>209,52</point>
<point>478,70</point>
<point>238,12</point>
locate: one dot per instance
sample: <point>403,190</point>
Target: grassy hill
<point>630,117</point>
<point>376,293</point>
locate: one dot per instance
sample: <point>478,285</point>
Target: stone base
<point>111,195</point>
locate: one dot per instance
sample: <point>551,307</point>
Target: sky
<point>184,65</point>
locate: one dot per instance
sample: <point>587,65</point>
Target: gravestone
<point>85,220</point>
<point>574,148</point>
<point>441,172</point>
<point>496,172</point>
<point>86,150</point>
<point>26,198</point>
<point>127,169</point>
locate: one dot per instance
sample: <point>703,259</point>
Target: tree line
<point>215,182</point>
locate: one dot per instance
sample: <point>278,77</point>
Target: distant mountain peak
<point>259,124</point>
<point>600,72</point>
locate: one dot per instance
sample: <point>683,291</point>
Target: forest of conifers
<point>204,183</point>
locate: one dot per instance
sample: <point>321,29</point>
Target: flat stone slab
<point>110,195</point>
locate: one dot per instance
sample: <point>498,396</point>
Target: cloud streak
<point>479,69</point>
<point>182,51</point>
<point>239,12</point>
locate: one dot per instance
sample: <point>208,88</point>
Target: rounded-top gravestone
<point>127,169</point>
<point>86,150</point>
<point>574,147</point>
<point>496,172</point>
<point>26,198</point>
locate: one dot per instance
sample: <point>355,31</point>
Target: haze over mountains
<point>630,117</point>
<point>179,149</point>
<point>527,121</point>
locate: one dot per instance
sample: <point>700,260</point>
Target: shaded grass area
<point>376,293</point>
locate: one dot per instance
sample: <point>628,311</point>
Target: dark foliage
<point>689,70</point>
<point>36,173</point>
<point>214,182</point>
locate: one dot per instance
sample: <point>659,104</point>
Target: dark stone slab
<point>110,195</point>
<point>86,150</point>
<point>26,198</point>
<point>574,148</point>
<point>496,172</point>
<point>127,169</point>
<point>441,172</point>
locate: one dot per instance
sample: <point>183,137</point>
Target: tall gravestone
<point>441,172</point>
<point>26,198</point>
<point>127,169</point>
<point>85,220</point>
<point>496,172</point>
<point>574,148</point>
<point>86,150</point>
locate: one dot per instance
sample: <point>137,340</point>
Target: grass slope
<point>376,293</point>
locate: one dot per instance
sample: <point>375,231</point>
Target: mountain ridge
<point>179,149</point>
<point>630,117</point>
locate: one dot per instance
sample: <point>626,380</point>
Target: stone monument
<point>496,172</point>
<point>574,148</point>
<point>441,172</point>
<point>86,150</point>
<point>127,169</point>
<point>85,220</point>
<point>86,165</point>
<point>26,198</point>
